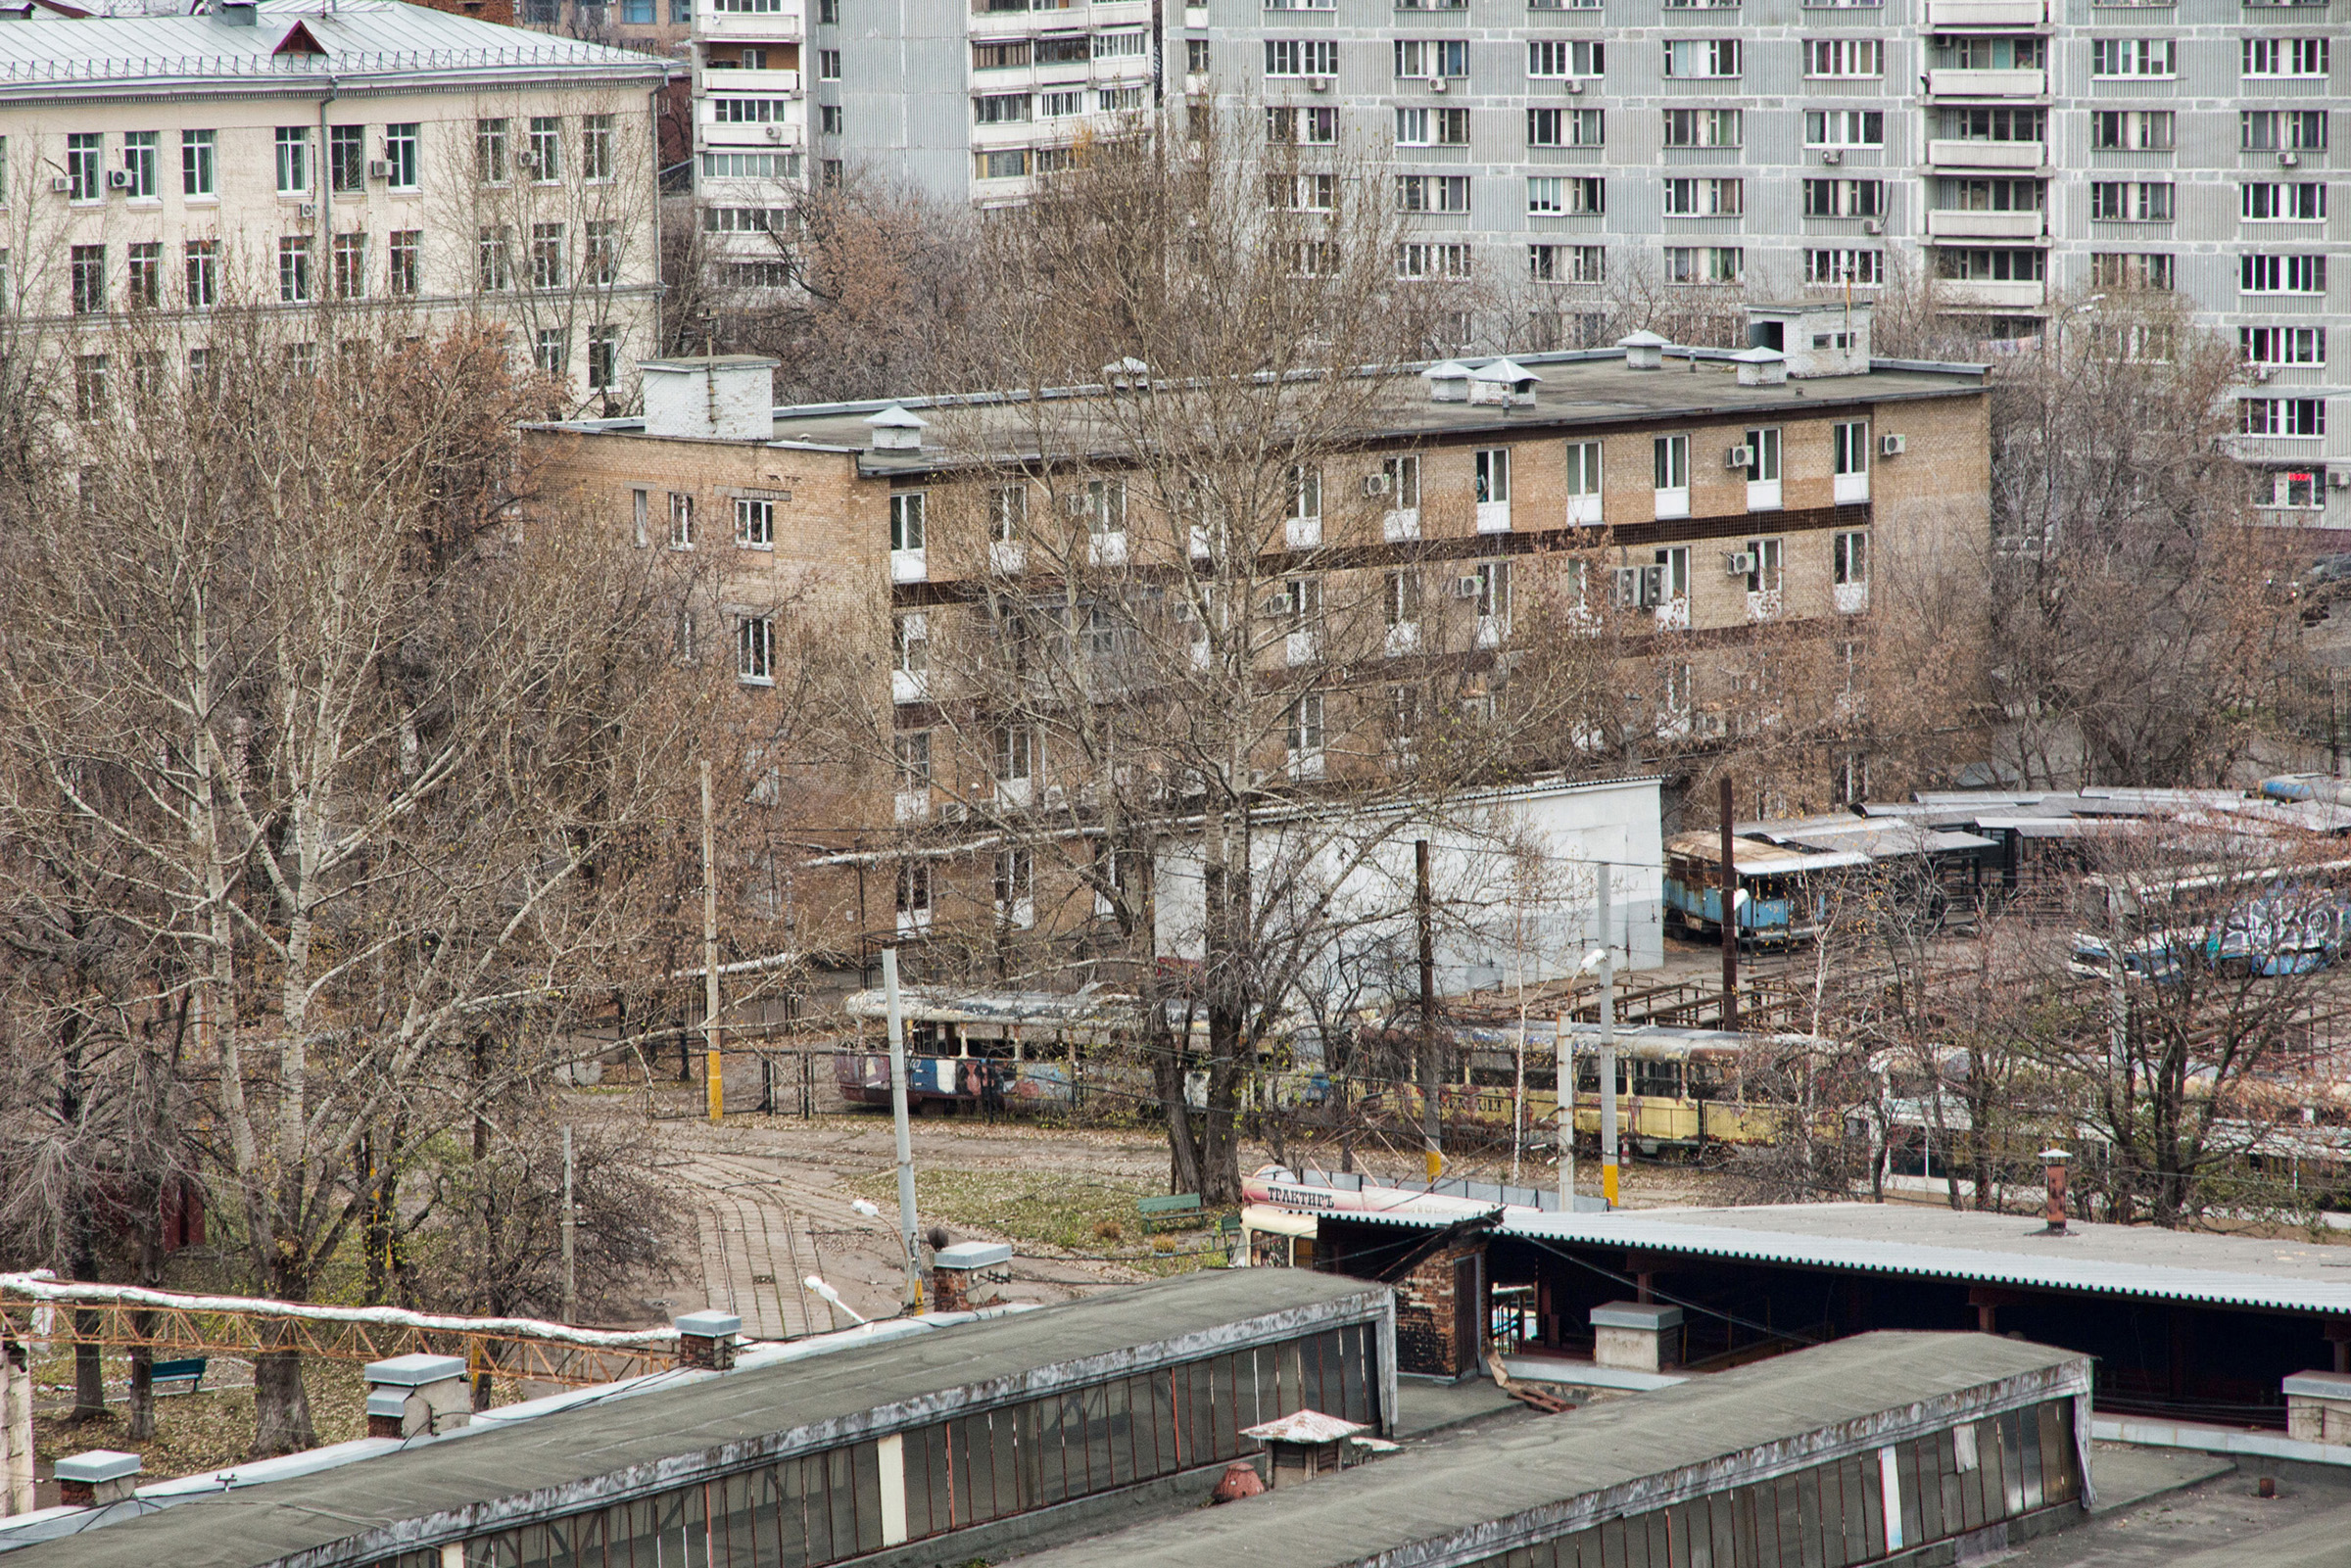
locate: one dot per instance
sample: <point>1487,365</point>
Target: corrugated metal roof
<point>2129,1261</point>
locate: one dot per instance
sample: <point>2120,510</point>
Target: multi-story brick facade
<point>1716,517</point>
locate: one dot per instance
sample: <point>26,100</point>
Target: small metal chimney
<point>408,1394</point>
<point>235,12</point>
<point>2053,1162</point>
<point>98,1477</point>
<point>1502,381</point>
<point>1760,366</point>
<point>707,1339</point>
<point>1310,1444</point>
<point>897,430</point>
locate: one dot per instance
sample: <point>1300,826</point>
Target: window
<point>1849,449</point>
<point>1000,55</point>
<point>1305,57</point>
<point>1764,569</point>
<point>1845,127</point>
<point>2133,202</point>
<point>489,151</point>
<point>1993,54</point>
<point>2281,417</point>
<point>2135,57</point>
<point>2281,274</point>
<point>681,521</point>
<point>294,270</point>
<point>546,153</point>
<point>914,894</point>
<point>347,266</point>
<point>1583,482</point>
<point>1705,198</point>
<point>1701,57</point>
<point>1844,198</point>
<point>1992,195</point>
<point>203,266</point>
<point>1849,560</point>
<point>1670,458</point>
<point>494,254</point>
<point>347,159</point>
<point>749,111</point>
<point>1106,507</point>
<point>92,388</point>
<point>1432,127</point>
<point>1762,456</point>
<point>1977,263</point>
<point>2282,131</point>
<point>1492,595</point>
<point>2284,57</point>
<point>1008,163</point>
<point>1565,57</point>
<point>1995,124</point>
<point>1310,126</point>
<point>199,167</point>
<point>547,256</point>
<point>2132,130</point>
<point>755,651</point>
<point>1859,268</point>
<point>1403,482</point>
<point>1016,755</point>
<point>1703,127</point>
<point>1400,599</point>
<point>1565,127</point>
<point>1491,475</point>
<point>597,133</point>
<point>750,165</point>
<point>1557,195</point>
<point>145,279</point>
<point>1007,513</point>
<point>1016,886</point>
<point>399,274</point>
<point>1061,105</point>
<point>1306,737</point>
<point>85,170</point>
<point>1844,57</point>
<point>139,164</point>
<point>1704,263</point>
<point>999,108</point>
<point>1195,56</point>
<point>551,352</point>
<point>2111,269</point>
<point>399,151</point>
<point>1428,58</point>
<point>1432,193</point>
<point>1122,45</point>
<point>913,749</point>
<point>1062,51</point>
<point>1303,193</point>
<point>293,160</point>
<point>906,520</point>
<point>2300,202</point>
<point>2285,488</point>
<point>604,358</point>
<point>1432,260</point>
<point>2284,345</point>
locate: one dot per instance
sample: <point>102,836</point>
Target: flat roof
<point>1579,388</point>
<point>1477,1495</point>
<point>1916,1239</point>
<point>593,1455</point>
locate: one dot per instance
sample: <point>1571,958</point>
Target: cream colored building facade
<point>336,166</point>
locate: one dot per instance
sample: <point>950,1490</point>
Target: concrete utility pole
<point>1730,917</point>
<point>717,1085</point>
<point>1432,1144</point>
<point>1608,1047</point>
<point>1563,1058</point>
<point>897,1112</point>
<point>571,1292</point>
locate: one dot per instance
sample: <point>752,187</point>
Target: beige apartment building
<point>1717,522</point>
<point>330,163</point>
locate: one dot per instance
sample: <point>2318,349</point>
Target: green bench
<point>1180,1213</point>
<point>189,1371</point>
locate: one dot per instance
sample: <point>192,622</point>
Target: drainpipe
<point>323,257</point>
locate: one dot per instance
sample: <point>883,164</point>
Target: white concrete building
<point>365,159</point>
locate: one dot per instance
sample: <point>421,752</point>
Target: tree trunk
<point>281,1408</point>
<point>142,1388</point>
<point>1220,1141</point>
<point>1184,1139</point>
<point>89,1369</point>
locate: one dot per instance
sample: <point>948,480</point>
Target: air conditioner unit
<point>1573,88</point>
<point>118,179</point>
<point>1438,84</point>
<point>60,185</point>
<point>310,209</point>
<point>379,168</point>
<point>1375,484</point>
<point>1464,587</point>
<point>775,134</point>
<point>1892,445</point>
<point>2290,160</point>
<point>528,163</point>
<point>2339,478</point>
<point>1628,587</point>
<point>1870,225</point>
<point>1832,156</point>
<point>1737,562</point>
<point>954,811</point>
<point>1739,457</point>
<point>1317,84</point>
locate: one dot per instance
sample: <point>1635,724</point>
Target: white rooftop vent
<point>1502,381</point>
<point>717,397</point>
<point>1760,366</point>
<point>897,430</point>
<point>96,1478</point>
<point>1644,350</point>
<point>1127,375</point>
<point>1448,382</point>
<point>417,1393</point>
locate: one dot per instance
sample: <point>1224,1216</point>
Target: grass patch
<point>195,1432</point>
<point>1090,1216</point>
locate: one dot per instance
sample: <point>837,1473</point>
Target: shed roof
<point>596,1453</point>
<point>1475,1496</point>
<point>1919,1240</point>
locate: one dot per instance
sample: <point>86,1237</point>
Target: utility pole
<point>716,1079</point>
<point>1562,1052</point>
<point>1608,1048</point>
<point>1730,917</point>
<point>571,1290</point>
<point>897,1112</point>
<point>1433,1149</point>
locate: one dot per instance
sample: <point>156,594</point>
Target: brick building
<point>1715,522</point>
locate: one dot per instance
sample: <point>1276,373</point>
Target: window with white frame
<point>293,160</point>
<point>2133,130</point>
<point>1431,127</point>
<point>1845,127</point>
<point>1432,193</point>
<point>1306,735</point>
<point>2273,202</point>
<point>2131,200</point>
<point>1565,57</point>
<point>1703,57</point>
<point>2287,489</point>
<point>1844,198</point>
<point>2281,274</point>
<point>1702,265</point>
<point>1302,57</point>
<point>1431,58</point>
<point>2281,417</point>
<point>754,522</point>
<point>1313,126</point>
<point>912,748</point>
<point>1433,260</point>
<point>681,521</point>
<point>1844,57</point>
<point>1708,197</point>
<point>1849,560</point>
<point>1015,755</point>
<point>906,520</point>
<point>1016,886</point>
<point>1704,127</point>
<point>2281,130</point>
<point>2283,345</point>
<point>1583,482</point>
<point>914,894</point>
<point>756,651</point>
<point>2283,57</point>
<point>1860,268</point>
<point>1765,557</point>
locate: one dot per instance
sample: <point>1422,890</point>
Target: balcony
<point>1400,524</point>
<point>1493,516</point>
<point>1948,84</point>
<point>750,83</point>
<point>1956,225</point>
<point>1583,511</point>
<point>753,27</point>
<point>1986,154</point>
<point>1942,14</point>
<point>1970,294</point>
<point>1304,533</point>
<point>1853,599</point>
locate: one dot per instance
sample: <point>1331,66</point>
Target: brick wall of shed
<point>1428,1314</point>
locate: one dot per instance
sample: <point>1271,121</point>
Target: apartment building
<point>961,99</point>
<point>1703,505</point>
<point>2007,149</point>
<point>366,158</point>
